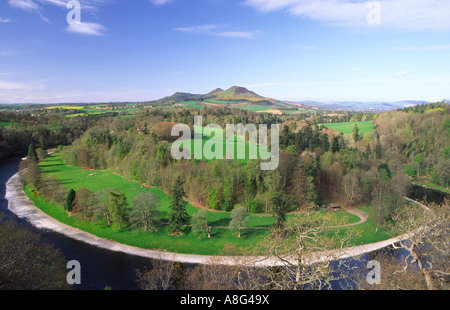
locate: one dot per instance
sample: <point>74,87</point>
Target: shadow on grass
<point>224,222</point>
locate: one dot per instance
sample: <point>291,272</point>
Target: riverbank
<point>19,204</point>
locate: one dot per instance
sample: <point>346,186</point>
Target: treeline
<point>44,131</point>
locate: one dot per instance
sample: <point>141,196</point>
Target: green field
<point>191,104</point>
<point>243,151</point>
<point>347,128</point>
<point>74,177</point>
<point>224,102</point>
<point>258,108</point>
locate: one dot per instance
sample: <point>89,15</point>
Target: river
<point>101,268</point>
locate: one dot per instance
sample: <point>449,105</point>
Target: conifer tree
<point>178,216</point>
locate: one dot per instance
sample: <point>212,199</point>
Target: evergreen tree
<point>279,208</point>
<point>356,133</point>
<point>69,201</point>
<point>335,147</point>
<point>178,216</point>
<point>325,142</point>
<point>227,192</point>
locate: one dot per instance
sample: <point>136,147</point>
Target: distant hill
<point>362,106</point>
<point>234,93</point>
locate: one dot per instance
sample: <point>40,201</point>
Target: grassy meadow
<point>347,128</point>
<point>222,238</point>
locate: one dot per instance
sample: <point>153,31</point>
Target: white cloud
<point>238,34</point>
<point>161,2</point>
<point>8,85</point>
<point>395,14</point>
<point>92,29</point>
<point>201,29</point>
<point>215,30</point>
<point>28,5</point>
<point>4,20</point>
<point>402,73</point>
<point>86,28</point>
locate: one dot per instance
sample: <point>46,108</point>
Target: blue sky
<point>139,50</point>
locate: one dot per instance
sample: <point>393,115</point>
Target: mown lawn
<point>243,150</point>
<point>74,177</point>
<point>347,128</point>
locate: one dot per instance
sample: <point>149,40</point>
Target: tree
<point>311,193</point>
<point>163,275</point>
<point>356,133</point>
<point>325,142</point>
<point>272,185</point>
<point>335,146</point>
<point>68,206</point>
<point>27,262</point>
<point>32,174</point>
<point>145,210</point>
<point>41,154</point>
<point>101,209</point>
<point>178,216</point>
<point>280,209</point>
<point>118,207</point>
<point>32,155</point>
<point>227,191</point>
<point>239,217</point>
<point>85,201</point>
<point>427,240</point>
<point>295,247</point>
<point>443,172</point>
<point>213,197</point>
<point>200,224</point>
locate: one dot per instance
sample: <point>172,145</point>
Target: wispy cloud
<point>161,2</point>
<point>8,85</point>
<point>92,29</point>
<point>217,30</point>
<point>402,74</point>
<point>395,14</point>
<point>238,34</point>
<point>201,29</point>
<point>4,20</point>
<point>28,5</point>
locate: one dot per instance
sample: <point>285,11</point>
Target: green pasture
<point>347,128</point>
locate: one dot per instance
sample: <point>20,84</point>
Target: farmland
<point>347,128</point>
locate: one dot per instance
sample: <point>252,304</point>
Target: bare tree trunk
<point>426,273</point>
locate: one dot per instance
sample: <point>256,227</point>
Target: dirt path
<point>19,204</point>
<point>359,213</point>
